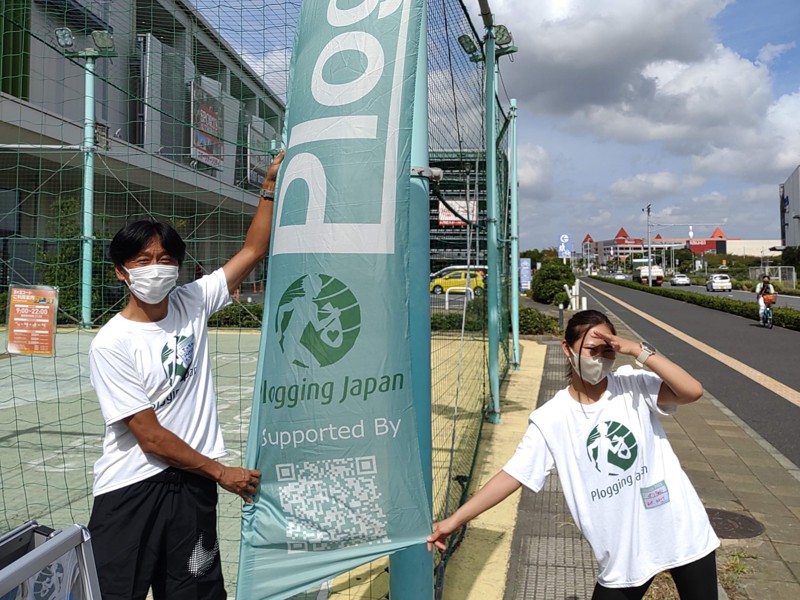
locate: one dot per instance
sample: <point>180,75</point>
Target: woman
<point>621,479</point>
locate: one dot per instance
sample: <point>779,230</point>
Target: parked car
<point>482,269</point>
<point>620,276</point>
<point>680,279</point>
<point>719,283</point>
<point>458,279</point>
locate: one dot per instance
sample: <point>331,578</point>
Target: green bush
<point>533,322</point>
<point>561,298</point>
<point>451,321</point>
<point>550,280</point>
<point>476,309</point>
<point>239,314</point>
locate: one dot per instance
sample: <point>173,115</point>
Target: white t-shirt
<point>165,366</point>
<point>622,481</point>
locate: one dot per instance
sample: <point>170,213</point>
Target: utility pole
<point>649,250</point>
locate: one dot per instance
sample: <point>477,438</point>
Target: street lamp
<point>649,249</point>
<point>104,47</point>
<point>497,42</point>
<point>468,45</point>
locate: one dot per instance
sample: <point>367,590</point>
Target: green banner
<point>333,426</point>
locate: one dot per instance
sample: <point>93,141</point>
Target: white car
<point>680,279</point>
<point>620,276</point>
<point>719,283</point>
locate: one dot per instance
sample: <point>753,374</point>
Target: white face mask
<point>593,369</point>
<point>152,283</point>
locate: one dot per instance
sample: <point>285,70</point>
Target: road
<point>789,301</point>
<point>772,353</point>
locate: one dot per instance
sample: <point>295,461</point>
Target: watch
<point>647,352</point>
<point>267,194</point>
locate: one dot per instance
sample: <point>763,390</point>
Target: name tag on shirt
<point>655,495</point>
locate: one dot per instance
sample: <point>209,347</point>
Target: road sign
<point>564,246</point>
<point>524,274</point>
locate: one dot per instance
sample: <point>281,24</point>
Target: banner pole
<point>411,570</point>
<point>514,238</point>
<point>492,250</point>
<point>87,208</point>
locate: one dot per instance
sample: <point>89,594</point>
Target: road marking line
<point>773,385</point>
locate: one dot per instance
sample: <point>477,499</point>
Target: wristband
<point>267,194</point>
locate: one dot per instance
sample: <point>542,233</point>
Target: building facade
<point>184,129</point>
<point>789,206</point>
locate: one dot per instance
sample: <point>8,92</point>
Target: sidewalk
<point>733,469</point>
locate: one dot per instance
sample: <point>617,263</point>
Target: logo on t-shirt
<point>177,357</point>
<point>612,448</point>
<point>317,321</point>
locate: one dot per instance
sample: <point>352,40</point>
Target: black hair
<point>578,325</point>
<point>131,239</point>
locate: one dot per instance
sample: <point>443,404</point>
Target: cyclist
<point>765,288</point>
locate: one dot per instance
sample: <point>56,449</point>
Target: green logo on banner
<point>612,448</point>
<point>318,320</point>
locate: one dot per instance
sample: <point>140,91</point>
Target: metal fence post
<point>411,570</point>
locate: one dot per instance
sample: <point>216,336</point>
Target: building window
<point>15,48</point>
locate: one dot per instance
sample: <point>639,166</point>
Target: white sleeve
<point>532,462</point>
<point>117,384</point>
<point>651,386</point>
<point>212,288</point>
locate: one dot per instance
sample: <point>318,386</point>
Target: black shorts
<point>160,533</point>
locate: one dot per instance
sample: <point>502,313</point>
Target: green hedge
<point>788,318</point>
<point>533,322</point>
<point>243,315</point>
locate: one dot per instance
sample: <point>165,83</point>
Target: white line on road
<point>773,385</point>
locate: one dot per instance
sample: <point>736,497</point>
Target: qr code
<point>331,504</point>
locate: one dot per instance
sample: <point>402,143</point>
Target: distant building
<point>623,247</point>
<point>464,189</point>
<point>789,207</point>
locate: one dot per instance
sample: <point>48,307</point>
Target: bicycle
<point>766,318</point>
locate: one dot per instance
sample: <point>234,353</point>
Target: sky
<point>691,106</point>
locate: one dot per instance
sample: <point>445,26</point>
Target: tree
<point>550,280</point>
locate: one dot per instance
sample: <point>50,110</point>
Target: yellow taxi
<point>458,279</point>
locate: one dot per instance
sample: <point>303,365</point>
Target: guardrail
<point>464,289</point>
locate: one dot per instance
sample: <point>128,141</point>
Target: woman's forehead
<point>602,328</point>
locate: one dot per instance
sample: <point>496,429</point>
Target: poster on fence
<point>32,320</point>
<point>333,426</point>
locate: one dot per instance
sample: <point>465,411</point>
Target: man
<point>153,522</point>
<point>765,287</point>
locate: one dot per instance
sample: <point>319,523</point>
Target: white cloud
<point>534,171</point>
<point>273,68</point>
<point>772,51</point>
<point>647,187</point>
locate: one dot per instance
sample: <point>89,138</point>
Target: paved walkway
<point>732,468</point>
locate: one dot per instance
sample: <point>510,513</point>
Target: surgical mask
<point>593,369</point>
<point>152,283</point>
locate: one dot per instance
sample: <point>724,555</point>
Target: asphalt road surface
<point>774,353</point>
<point>789,301</point>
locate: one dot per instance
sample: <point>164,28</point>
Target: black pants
<point>695,581</point>
<point>160,533</point>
